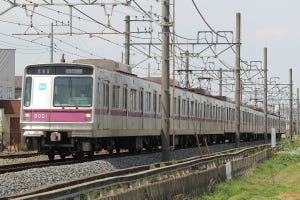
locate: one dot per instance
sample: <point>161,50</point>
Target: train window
<point>188,107</point>
<point>192,108</point>
<point>116,96</point>
<point>141,100</point>
<point>202,110</point>
<point>125,96</point>
<point>174,105</point>
<point>72,91</point>
<point>106,94</point>
<point>207,114</point>
<point>178,106</point>
<point>159,103</point>
<point>199,109</point>
<point>27,91</point>
<point>183,107</point>
<point>61,70</point>
<point>154,101</point>
<point>196,109</point>
<point>148,101</point>
<point>132,99</point>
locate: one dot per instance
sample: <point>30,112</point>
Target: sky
<point>268,23</point>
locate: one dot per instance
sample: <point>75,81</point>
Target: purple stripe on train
<point>61,115</point>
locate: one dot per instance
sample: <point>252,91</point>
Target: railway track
<point>17,155</point>
<point>46,163</point>
<point>131,174</point>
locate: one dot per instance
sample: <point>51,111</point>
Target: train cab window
<point>116,96</point>
<point>27,91</point>
<point>72,91</point>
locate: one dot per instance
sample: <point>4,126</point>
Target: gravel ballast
<point>22,181</point>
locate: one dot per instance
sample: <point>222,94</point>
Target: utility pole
<point>297,119</point>
<point>291,104</point>
<point>127,39</point>
<point>265,94</point>
<point>237,80</point>
<point>187,65</point>
<point>220,82</point>
<point>279,114</point>
<point>51,44</point>
<point>165,83</point>
<point>255,96</point>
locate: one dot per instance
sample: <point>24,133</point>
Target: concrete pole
<point>127,39</point>
<point>279,113</point>
<point>291,104</point>
<point>187,65</point>
<point>237,80</point>
<point>220,81</point>
<point>165,85</point>
<point>51,44</point>
<point>265,94</point>
<point>297,119</point>
<point>148,70</point>
<point>255,96</point>
<point>71,20</point>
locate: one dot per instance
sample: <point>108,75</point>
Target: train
<point>90,105</point>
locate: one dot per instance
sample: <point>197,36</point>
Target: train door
<point>105,114</point>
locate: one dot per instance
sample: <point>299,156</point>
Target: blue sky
<point>268,23</point>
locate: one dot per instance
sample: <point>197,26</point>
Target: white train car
<point>89,105</point>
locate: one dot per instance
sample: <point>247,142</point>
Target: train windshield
<point>72,92</point>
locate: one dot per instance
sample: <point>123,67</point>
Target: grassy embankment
<point>277,178</point>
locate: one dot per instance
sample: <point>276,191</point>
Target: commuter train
<point>94,104</point>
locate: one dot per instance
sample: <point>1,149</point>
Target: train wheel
<point>90,154</point>
<point>78,155</point>
<point>51,155</point>
<point>62,156</point>
<point>110,150</point>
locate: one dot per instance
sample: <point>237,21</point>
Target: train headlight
<point>88,117</point>
<point>26,117</point>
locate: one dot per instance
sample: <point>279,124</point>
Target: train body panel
<point>89,107</point>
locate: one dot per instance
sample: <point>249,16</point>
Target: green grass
<point>277,178</point>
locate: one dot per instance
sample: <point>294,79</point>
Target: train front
<point>57,115</point>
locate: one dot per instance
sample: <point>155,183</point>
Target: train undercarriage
<point>60,144</point>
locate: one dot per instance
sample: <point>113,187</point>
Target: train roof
<point>106,64</point>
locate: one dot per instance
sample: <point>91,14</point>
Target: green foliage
<point>271,179</point>
<point>162,165</point>
<point>152,166</point>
